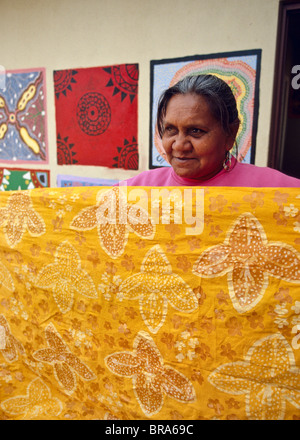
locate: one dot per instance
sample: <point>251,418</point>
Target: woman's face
<point>194,141</point>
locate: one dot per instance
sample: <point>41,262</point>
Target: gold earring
<point>227,161</point>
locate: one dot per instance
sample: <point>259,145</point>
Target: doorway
<point>284,148</point>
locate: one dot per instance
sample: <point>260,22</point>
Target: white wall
<point>62,34</point>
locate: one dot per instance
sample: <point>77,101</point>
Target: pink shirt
<point>240,175</point>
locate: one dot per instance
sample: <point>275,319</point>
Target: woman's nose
<point>182,143</point>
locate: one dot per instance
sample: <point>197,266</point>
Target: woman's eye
<point>169,130</point>
<point>197,132</point>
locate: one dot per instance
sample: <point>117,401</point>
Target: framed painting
<point>67,181</point>
<point>12,179</point>
<point>96,116</point>
<point>23,122</point>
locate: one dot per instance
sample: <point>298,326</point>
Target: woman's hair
<point>217,93</point>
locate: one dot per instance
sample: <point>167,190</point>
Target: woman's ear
<point>234,128</point>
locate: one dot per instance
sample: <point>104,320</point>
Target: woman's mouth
<point>183,159</point>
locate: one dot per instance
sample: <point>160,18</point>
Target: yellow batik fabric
<point>150,303</point>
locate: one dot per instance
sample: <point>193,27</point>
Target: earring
<point>227,161</point>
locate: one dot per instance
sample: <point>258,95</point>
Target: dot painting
<point>23,122</point>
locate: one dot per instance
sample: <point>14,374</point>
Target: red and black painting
<point>96,116</point>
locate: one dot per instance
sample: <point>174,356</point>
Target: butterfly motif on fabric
<point>268,377</point>
<point>114,219</point>
<point>156,287</point>
<point>248,259</point>
<point>65,277</point>
<point>9,344</point>
<point>151,378</point>
<point>19,216</point>
<point>65,363</point>
<point>36,403</point>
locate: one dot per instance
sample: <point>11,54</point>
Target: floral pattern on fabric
<point>150,304</point>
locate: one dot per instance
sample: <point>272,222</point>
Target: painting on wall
<point>96,116</point>
<point>66,181</point>
<point>241,71</point>
<point>23,124</point>
<point>12,179</point>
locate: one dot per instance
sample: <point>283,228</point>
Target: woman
<point>197,120</point>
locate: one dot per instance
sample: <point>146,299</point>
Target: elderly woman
<point>197,120</point>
